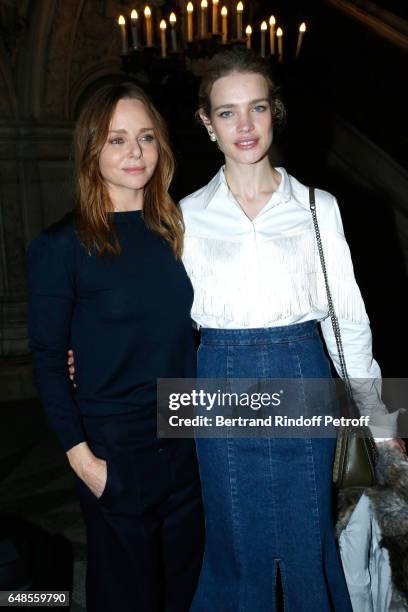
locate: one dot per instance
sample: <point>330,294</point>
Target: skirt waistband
<point>262,335</point>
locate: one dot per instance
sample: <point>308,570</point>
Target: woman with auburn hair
<point>251,252</point>
<point>107,281</point>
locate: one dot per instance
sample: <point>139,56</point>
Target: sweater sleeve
<point>50,263</point>
<point>363,370</point>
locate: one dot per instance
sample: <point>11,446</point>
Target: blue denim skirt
<point>268,501</point>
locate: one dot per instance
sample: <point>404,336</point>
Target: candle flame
<point>279,32</point>
<point>215,2</point>
<point>264,26</point>
<point>190,7</point>
<point>133,14</point>
<point>224,11</point>
<point>163,24</point>
<point>248,30</point>
<point>240,7</point>
<point>204,4</point>
<point>172,18</point>
<point>302,27</point>
<point>272,20</point>
<point>121,20</point>
<point>147,11</point>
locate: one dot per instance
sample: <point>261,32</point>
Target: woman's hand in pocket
<point>95,476</point>
<point>88,467</point>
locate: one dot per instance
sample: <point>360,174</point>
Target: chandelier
<point>197,32</point>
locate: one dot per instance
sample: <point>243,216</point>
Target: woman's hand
<point>96,476</point>
<point>88,467</point>
<point>71,365</point>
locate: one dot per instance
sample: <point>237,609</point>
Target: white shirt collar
<point>218,182</point>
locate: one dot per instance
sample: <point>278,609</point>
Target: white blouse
<point>266,272</point>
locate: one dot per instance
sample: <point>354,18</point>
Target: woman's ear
<point>206,121</point>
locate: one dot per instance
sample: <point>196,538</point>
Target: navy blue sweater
<point>127,318</point>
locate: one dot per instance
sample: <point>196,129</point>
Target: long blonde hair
<point>93,218</point>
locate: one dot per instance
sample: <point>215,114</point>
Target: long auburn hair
<point>94,206</point>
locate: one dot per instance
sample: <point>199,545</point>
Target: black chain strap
<point>335,322</point>
<point>333,316</point>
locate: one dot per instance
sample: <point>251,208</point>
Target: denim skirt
<point>268,501</point>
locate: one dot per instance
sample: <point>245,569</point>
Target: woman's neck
<point>126,200</point>
<point>252,185</point>
<point>251,181</point>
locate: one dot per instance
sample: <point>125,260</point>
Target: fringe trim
<point>272,280</point>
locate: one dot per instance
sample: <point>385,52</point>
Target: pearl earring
<point>213,137</point>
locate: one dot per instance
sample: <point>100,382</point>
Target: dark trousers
<point>145,533</point>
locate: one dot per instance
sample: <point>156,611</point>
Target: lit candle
<point>122,25</point>
<point>203,16</point>
<point>302,30</point>
<point>248,33</point>
<point>190,9</point>
<point>272,22</point>
<point>148,20</point>
<point>163,27</point>
<point>279,35</point>
<point>240,8</point>
<point>224,15</point>
<point>173,20</point>
<point>133,18</point>
<point>215,16</point>
<point>264,27</point>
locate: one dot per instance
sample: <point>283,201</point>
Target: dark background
<point>346,101</point>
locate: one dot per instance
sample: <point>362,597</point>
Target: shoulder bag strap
<point>332,314</point>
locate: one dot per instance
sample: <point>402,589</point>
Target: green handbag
<point>354,459</point>
<point>356,452</point>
